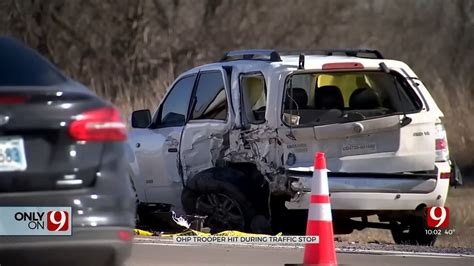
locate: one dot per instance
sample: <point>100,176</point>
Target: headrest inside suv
<point>328,97</point>
<point>300,98</point>
<point>364,98</point>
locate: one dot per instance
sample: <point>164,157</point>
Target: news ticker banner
<point>34,221</point>
<point>272,240</point>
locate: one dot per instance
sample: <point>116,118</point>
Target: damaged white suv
<point>235,141</point>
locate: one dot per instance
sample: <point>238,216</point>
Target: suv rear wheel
<point>412,232</point>
<point>222,211</point>
<point>220,195</point>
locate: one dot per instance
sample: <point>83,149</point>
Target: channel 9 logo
<point>58,221</point>
<point>437,217</point>
<point>35,221</point>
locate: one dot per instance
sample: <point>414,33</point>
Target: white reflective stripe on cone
<point>319,183</point>
<point>319,212</point>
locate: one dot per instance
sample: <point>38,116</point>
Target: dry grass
<point>147,96</point>
<point>461,205</point>
<point>457,107</point>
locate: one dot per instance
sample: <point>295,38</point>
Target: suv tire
<point>413,233</point>
<point>137,202</point>
<point>220,194</point>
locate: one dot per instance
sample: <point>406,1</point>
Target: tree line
<point>130,50</point>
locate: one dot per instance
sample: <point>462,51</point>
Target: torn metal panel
<point>260,145</point>
<point>279,184</point>
<point>255,145</point>
<point>202,146</point>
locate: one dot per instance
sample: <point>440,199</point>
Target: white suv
<point>235,141</point>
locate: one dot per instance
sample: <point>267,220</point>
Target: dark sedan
<point>65,193</point>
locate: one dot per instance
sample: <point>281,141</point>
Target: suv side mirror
<point>141,118</point>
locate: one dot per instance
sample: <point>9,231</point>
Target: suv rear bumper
<point>86,246</point>
<point>411,194</point>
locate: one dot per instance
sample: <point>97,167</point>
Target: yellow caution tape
<point>238,233</point>
<point>139,232</point>
<point>187,232</point>
<point>191,232</point>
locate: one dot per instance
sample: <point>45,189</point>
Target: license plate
<point>358,148</point>
<point>12,154</point>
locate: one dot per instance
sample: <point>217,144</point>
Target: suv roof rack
<point>274,56</point>
<point>254,54</point>
<point>362,53</point>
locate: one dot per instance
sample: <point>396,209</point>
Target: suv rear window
<point>22,66</point>
<point>337,97</point>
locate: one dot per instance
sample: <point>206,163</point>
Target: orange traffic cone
<point>319,218</point>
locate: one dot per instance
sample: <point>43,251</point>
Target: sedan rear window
<point>22,66</point>
<point>337,97</point>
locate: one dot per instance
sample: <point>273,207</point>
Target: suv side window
<point>174,109</point>
<point>211,98</point>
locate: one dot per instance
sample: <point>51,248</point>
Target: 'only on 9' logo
<point>58,221</point>
<point>437,217</point>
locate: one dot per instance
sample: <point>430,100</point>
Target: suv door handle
<point>172,149</point>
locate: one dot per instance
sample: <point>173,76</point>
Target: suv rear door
<point>362,137</point>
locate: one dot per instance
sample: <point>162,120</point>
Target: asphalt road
<point>164,252</point>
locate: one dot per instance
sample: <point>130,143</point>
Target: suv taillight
<point>442,151</point>
<point>102,124</point>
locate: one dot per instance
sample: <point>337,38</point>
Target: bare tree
<point>129,50</point>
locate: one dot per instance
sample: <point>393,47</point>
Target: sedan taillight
<point>442,151</point>
<point>6,99</point>
<point>103,124</point>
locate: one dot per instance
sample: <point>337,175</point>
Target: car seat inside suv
<point>366,102</point>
